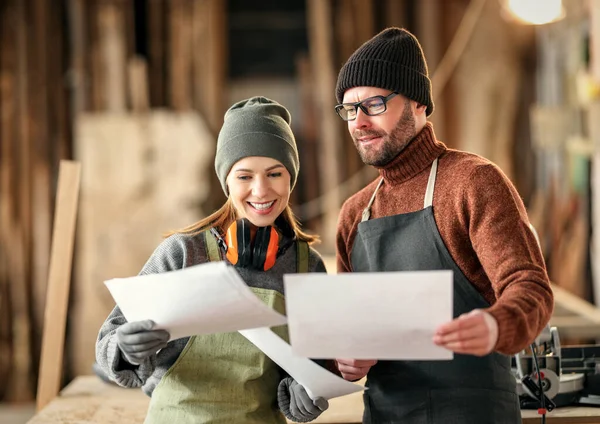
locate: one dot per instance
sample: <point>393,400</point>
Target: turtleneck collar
<point>417,156</point>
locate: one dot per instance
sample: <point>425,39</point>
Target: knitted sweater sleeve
<point>506,247</point>
<point>168,256</point>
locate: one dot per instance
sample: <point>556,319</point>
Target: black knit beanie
<point>257,126</point>
<point>393,60</point>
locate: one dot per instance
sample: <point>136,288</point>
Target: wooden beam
<point>430,34</point>
<point>180,37</point>
<point>77,47</point>
<point>113,54</point>
<point>395,13</point>
<point>157,41</point>
<point>8,195</point>
<point>575,327</point>
<point>137,74</point>
<point>321,52</point>
<point>41,45</point>
<point>59,279</point>
<point>20,230</point>
<point>575,305</point>
<point>209,35</point>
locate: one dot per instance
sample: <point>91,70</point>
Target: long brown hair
<point>226,215</point>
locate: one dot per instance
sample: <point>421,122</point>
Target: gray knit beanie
<point>256,127</point>
<point>393,60</point>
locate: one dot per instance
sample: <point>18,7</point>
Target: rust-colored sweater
<point>483,223</point>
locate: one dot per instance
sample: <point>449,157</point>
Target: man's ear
<point>419,108</point>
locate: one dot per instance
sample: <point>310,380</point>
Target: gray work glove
<point>137,340</point>
<point>295,403</point>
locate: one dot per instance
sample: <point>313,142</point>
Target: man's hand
<point>354,369</point>
<point>475,333</point>
<point>137,340</point>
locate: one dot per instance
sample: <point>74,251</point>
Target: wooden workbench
<point>89,400</point>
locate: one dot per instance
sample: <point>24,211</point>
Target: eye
<point>243,177</point>
<point>275,174</point>
<point>375,105</point>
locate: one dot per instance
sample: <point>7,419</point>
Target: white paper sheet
<point>202,299</point>
<point>317,381</point>
<point>390,315</point>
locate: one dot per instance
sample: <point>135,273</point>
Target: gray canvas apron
<point>465,390</point>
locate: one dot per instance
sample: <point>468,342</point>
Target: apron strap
<point>212,247</point>
<point>301,256</point>
<point>430,185</point>
<point>367,211</point>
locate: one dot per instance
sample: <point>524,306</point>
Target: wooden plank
<point>157,38</point>
<point>395,13</point>
<point>78,43</point>
<point>430,35</point>
<point>321,54</point>
<point>8,195</point>
<point>112,54</point>
<point>309,184</point>
<point>210,90</point>
<point>363,28</point>
<point>130,188</point>
<point>59,279</point>
<point>593,125</point>
<point>137,74</point>
<point>575,305</point>
<point>90,400</point>
<point>180,33</point>
<point>595,39</point>
<point>20,230</point>
<point>575,327</point>
<point>209,35</point>
<point>40,48</point>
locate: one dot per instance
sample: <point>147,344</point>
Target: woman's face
<point>259,188</point>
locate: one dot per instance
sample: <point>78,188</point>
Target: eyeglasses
<point>372,106</point>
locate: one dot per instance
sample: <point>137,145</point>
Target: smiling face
<point>259,188</point>
<point>380,138</point>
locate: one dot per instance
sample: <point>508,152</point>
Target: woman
<point>223,378</point>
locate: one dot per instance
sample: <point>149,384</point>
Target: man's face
<point>380,138</point>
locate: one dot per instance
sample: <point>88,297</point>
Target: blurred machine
<point>569,375</point>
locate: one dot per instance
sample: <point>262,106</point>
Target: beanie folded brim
<point>387,75</point>
<point>255,144</point>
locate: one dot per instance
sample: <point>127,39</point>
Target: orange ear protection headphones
<point>239,248</point>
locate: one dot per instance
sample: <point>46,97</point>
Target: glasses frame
<point>384,99</point>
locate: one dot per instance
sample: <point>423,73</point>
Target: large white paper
<point>387,315</point>
<point>202,299</point>
<point>317,381</point>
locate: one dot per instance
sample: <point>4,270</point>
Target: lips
<point>366,138</point>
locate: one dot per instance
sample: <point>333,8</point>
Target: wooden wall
<point>34,135</point>
<point>70,69</point>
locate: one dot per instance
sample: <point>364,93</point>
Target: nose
<point>260,187</point>
<point>362,120</point>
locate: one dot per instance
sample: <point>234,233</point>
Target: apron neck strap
<point>366,214</point>
<point>367,211</point>
<point>430,185</point>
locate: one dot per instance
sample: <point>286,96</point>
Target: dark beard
<point>394,142</point>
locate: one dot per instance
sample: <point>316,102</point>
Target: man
<point>436,208</point>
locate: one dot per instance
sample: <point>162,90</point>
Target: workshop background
<point>135,91</point>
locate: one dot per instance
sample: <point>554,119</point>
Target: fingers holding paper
<point>138,340</point>
<point>354,369</point>
<point>474,333</point>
